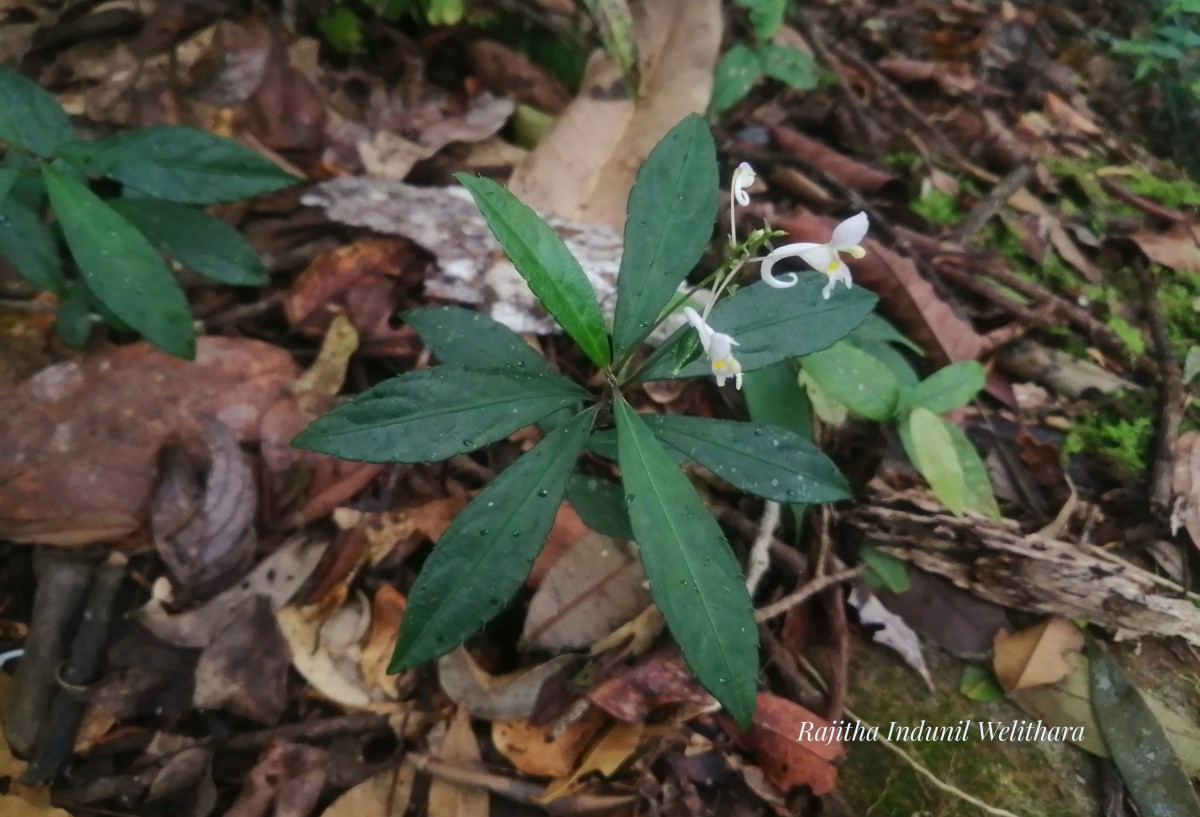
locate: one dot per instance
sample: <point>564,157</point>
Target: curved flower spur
<point>824,258</point>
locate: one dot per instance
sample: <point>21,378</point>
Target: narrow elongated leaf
<point>120,267</point>
<point>601,505</point>
<point>670,218</point>
<point>467,338</point>
<point>433,414</point>
<point>773,396</point>
<point>771,325</point>
<point>545,263</point>
<point>947,389</point>
<point>27,243</point>
<point>178,163</point>
<point>764,460</point>
<point>931,449</point>
<point>30,117</point>
<point>856,380</point>
<point>196,239</point>
<point>1149,766</point>
<point>694,578</point>
<point>488,550</point>
<point>8,178</point>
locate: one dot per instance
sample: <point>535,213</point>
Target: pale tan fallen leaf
<point>387,611</point>
<point>328,372</point>
<point>496,697</point>
<point>1175,248</point>
<point>1037,655</point>
<point>1068,116</point>
<point>13,806</point>
<point>895,634</point>
<point>635,637</point>
<point>1049,223</point>
<point>584,168</point>
<point>401,528</point>
<point>608,755</point>
<point>544,750</point>
<point>461,748</point>
<point>387,794</point>
<point>595,587</point>
<point>1185,486</point>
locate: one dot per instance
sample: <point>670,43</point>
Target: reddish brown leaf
<point>233,67</point>
<point>511,74</point>
<point>790,746</point>
<point>850,172</point>
<point>660,680</point>
<point>254,689</point>
<point>288,775</point>
<point>81,438</point>
<point>1177,248</point>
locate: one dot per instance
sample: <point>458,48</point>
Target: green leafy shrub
<point>164,176</point>
<point>744,65</point>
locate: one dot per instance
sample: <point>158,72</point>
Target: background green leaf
<point>30,117</point>
<point>931,449</point>
<point>545,263</point>
<point>876,327</point>
<point>467,338</point>
<point>771,325</point>
<point>947,389</point>
<point>74,317</point>
<point>736,74</point>
<point>8,178</point>
<point>694,579</point>
<point>672,207</point>
<point>855,379</point>
<point>977,487</point>
<point>28,244</point>
<point>178,163</point>
<point>774,397</point>
<point>200,241</point>
<point>601,505</point>
<point>791,66</point>
<point>481,560</point>
<point>763,460</point>
<point>884,571</point>
<point>120,267</point>
<point>433,414</point>
<point>766,16</point>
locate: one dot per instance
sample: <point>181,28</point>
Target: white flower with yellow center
<point>718,348</point>
<point>822,257</point>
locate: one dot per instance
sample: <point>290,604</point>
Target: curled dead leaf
<point>790,747</point>
<point>496,697</point>
<point>1036,655</point>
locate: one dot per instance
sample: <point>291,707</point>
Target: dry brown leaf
<point>402,529</point>
<point>1176,248</point>
<point>496,697</point>
<point>635,637</point>
<point>81,438</point>
<point>924,315</point>
<point>12,805</point>
<point>658,681</point>
<point>584,168</point>
<point>1069,117</point>
<point>605,757</point>
<point>568,527</point>
<point>461,748</point>
<point>387,794</point>
<point>848,171</point>
<point>225,679</point>
<point>505,71</point>
<point>276,578</point>
<point>289,776</point>
<point>546,750</point>
<point>1037,655</point>
<point>1185,485</point>
<point>788,761</point>
<point>1052,226</point>
<point>387,611</point>
<point>595,587</point>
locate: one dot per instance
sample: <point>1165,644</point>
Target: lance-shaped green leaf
<point>855,379</point>
<point>773,396</point>
<point>26,241</point>
<point>467,338</point>
<point>931,449</point>
<point>946,389</point>
<point>30,117</point>
<point>120,267</point>
<point>694,579</point>
<point>545,263</point>
<point>178,163</point>
<point>771,325</point>
<point>670,218</point>
<point>764,460</point>
<point>1149,766</point>
<point>8,178</point>
<point>487,552</point>
<point>433,414</point>
<point>200,241</point>
<point>600,504</point>
<point>977,487</point>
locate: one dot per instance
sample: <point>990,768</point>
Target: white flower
<point>718,347</point>
<point>743,178</point>
<point>822,257</point>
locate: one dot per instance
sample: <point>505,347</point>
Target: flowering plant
<point>491,383</point>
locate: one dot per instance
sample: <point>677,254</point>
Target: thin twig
<point>1173,401</point>
<point>806,592</point>
<point>759,559</point>
<point>243,311</point>
<point>989,205</point>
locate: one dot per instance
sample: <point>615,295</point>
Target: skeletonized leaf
<point>433,414</point>
<point>694,578</point>
<point>488,550</point>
